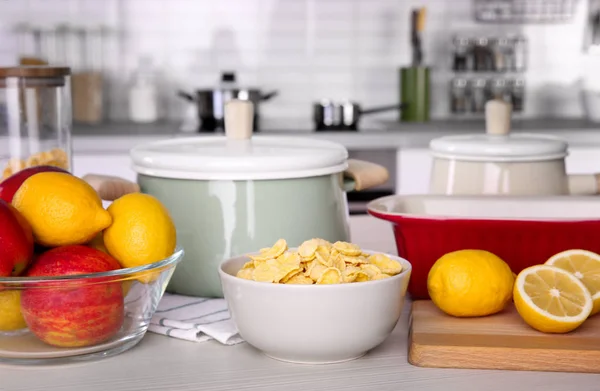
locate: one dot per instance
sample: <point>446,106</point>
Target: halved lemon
<point>551,300</point>
<point>585,265</point>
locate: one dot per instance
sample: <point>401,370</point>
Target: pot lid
<point>498,145</point>
<point>239,155</point>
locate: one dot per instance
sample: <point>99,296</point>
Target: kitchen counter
<point>163,363</point>
<point>119,138</point>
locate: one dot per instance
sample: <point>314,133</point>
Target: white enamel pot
<point>234,194</point>
<point>500,163</point>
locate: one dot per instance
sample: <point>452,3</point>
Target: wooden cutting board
<point>501,341</point>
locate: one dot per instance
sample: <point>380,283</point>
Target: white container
<point>143,94</point>
<point>498,163</point>
<point>314,324</point>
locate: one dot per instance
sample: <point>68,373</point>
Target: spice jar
<point>479,95</point>
<point>459,98</point>
<point>503,55</point>
<point>520,54</point>
<point>518,94</point>
<point>461,54</point>
<point>35,118</point>
<point>87,78</point>
<point>483,58</point>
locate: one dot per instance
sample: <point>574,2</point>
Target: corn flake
<point>263,272</point>
<point>323,257</point>
<point>307,249</point>
<point>246,274</point>
<point>317,261</point>
<point>317,271</point>
<point>248,265</point>
<point>299,279</point>
<point>385,264</point>
<point>330,276</point>
<point>347,248</point>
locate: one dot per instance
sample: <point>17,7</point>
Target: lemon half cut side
<point>551,300</point>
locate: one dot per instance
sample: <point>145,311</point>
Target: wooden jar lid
<point>34,71</point>
<point>36,76</point>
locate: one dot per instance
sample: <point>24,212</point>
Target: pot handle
<point>584,184</point>
<point>269,95</point>
<point>109,188</point>
<point>186,96</point>
<point>362,175</point>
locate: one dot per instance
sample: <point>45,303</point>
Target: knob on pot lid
<point>240,154</point>
<point>498,144</point>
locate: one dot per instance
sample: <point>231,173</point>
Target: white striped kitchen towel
<point>194,319</point>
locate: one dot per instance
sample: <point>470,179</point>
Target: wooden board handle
<point>110,187</point>
<point>366,174</point>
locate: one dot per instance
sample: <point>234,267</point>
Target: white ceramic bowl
<point>314,324</point>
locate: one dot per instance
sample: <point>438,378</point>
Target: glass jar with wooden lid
<point>35,118</point>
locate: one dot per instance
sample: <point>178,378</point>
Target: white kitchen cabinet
<point>413,169</point>
<point>583,160</point>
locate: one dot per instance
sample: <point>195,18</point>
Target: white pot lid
<point>498,145</point>
<point>217,158</point>
<point>239,155</point>
<point>516,147</point>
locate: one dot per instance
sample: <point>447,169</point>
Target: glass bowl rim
<point>129,272</point>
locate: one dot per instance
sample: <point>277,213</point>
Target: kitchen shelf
<point>524,11</point>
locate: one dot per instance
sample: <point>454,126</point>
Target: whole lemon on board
<point>469,283</point>
<point>11,318</point>
<point>61,208</point>
<point>142,231</point>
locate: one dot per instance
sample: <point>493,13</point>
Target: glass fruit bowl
<point>56,320</point>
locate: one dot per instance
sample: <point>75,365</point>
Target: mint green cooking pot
<point>237,194</point>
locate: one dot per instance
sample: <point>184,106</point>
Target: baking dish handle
<point>109,188</point>
<point>584,184</point>
<point>362,175</point>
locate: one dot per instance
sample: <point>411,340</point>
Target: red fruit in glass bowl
<point>73,313</point>
<point>10,185</point>
<point>16,241</point>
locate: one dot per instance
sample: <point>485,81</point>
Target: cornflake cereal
<point>317,262</point>
<point>55,157</point>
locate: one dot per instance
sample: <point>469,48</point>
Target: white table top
<point>161,363</point>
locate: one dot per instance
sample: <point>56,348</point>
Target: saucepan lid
<point>497,144</point>
<point>239,155</point>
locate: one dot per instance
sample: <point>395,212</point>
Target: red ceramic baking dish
<point>523,231</point>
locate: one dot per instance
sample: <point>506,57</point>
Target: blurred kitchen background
<point>309,50</point>
<point>144,70</point>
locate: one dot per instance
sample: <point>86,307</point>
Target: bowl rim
<point>171,260</point>
<point>376,207</point>
<point>405,271</point>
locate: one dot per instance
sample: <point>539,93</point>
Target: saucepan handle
<point>362,175</point>
<point>584,184</point>
<point>109,188</point>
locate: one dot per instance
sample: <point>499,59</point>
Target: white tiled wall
<point>307,49</point>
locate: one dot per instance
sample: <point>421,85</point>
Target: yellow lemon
<point>61,209</point>
<point>585,265</point>
<point>551,299</point>
<point>142,231</point>
<point>470,283</point>
<point>11,318</point>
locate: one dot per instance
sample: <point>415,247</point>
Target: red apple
<point>73,313</point>
<point>16,241</point>
<point>10,185</point>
